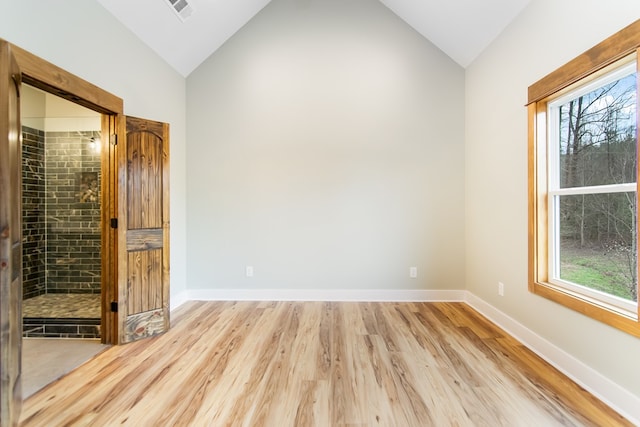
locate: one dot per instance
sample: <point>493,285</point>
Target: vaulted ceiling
<point>460,28</point>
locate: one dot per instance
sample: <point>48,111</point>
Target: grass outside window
<point>583,168</point>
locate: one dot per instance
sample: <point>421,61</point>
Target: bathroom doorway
<point>61,232</point>
<point>134,214</point>
<point>61,236</point>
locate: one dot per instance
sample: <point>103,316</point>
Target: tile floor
<point>44,360</point>
<point>62,306</point>
<point>62,316</point>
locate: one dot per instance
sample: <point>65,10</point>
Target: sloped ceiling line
<point>462,29</point>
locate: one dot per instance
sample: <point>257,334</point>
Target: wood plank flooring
<point>319,364</point>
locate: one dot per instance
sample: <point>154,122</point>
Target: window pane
<point>598,242</point>
<point>597,133</point>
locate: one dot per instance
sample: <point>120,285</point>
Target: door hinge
<point>114,222</point>
<point>113,139</point>
<point>114,306</point>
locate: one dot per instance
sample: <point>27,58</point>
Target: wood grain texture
<point>620,44</point>
<point>145,270</point>
<point>10,239</point>
<point>143,230</point>
<point>53,79</point>
<point>146,324</point>
<point>143,239</point>
<point>538,224</point>
<point>109,237</point>
<point>319,364</point>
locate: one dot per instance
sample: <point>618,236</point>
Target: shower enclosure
<point>61,218</point>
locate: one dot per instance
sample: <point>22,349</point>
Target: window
<point>583,210</point>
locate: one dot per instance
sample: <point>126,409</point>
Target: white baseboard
<point>617,397</point>
<point>179,299</point>
<point>324,295</point>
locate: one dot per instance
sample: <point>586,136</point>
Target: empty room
<point>322,212</point>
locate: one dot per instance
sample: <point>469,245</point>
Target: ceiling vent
<point>182,8</point>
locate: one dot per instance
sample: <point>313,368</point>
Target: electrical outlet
<point>501,289</point>
<point>413,272</point>
<point>249,271</point>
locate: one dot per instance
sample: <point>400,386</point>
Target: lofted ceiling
<point>460,28</point>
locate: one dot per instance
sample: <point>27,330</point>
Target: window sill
<point>613,316</point>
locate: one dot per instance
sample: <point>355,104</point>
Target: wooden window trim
<point>619,45</point>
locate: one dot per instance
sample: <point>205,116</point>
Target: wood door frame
<point>10,239</point>
<point>42,74</point>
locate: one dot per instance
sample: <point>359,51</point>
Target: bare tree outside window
<point>598,147</point>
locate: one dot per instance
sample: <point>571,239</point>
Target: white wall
<point>84,39</point>
<point>546,35</point>
<point>51,113</point>
<point>33,107</point>
<point>62,115</point>
<point>326,151</point>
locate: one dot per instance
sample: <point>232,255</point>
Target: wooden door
<point>10,239</point>
<point>143,229</point>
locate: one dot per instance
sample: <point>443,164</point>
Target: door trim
<point>53,79</point>
<point>10,240</point>
<point>44,75</point>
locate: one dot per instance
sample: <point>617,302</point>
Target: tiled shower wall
<point>33,208</point>
<point>73,213</point>
<point>61,213</point>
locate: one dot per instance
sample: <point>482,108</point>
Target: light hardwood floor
<point>319,364</point>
